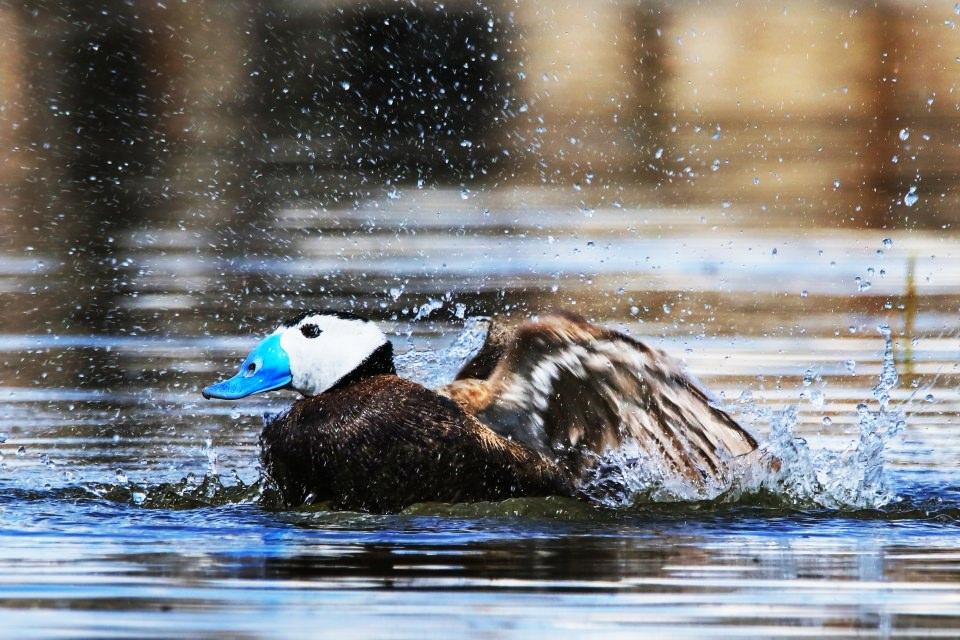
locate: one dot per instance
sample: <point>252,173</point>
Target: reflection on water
<point>130,503</point>
<point>239,570</point>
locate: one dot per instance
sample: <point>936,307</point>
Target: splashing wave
<point>786,466</point>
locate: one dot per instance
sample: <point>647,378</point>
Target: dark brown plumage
<point>383,443</point>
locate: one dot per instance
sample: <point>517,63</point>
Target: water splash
<point>189,493</point>
<point>855,478</point>
<point>786,466</point>
<point>628,476</point>
<point>432,369</point>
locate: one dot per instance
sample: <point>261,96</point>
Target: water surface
<point>129,505</point>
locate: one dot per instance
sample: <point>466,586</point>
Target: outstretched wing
<point>566,388</point>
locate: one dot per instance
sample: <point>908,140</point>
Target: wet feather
<point>571,390</point>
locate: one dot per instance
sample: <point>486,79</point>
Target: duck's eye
<point>250,369</point>
<point>310,330</point>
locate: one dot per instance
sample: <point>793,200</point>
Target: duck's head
<point>310,353</point>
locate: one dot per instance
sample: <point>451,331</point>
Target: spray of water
<point>435,368</point>
<point>786,466</point>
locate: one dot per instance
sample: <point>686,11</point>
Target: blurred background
<point>198,166</point>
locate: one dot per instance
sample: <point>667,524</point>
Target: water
<point>130,507</point>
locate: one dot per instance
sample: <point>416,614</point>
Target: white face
<point>324,348</point>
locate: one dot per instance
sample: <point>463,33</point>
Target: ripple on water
<point>856,533</point>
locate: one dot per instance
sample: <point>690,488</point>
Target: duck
<point>530,414</point>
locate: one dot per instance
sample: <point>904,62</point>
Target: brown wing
<point>564,387</point>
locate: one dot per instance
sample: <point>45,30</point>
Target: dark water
<point>129,505</point>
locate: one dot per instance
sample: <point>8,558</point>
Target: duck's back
<point>384,443</point>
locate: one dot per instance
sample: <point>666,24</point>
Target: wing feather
<point>569,389</point>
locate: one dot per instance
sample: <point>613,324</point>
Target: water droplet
<point>826,421</point>
<point>817,398</point>
<point>836,183</point>
<point>345,85</point>
<point>887,243</point>
<point>658,153</point>
<point>851,366</point>
<point>21,451</point>
<point>904,134</point>
<point>138,497</point>
<point>929,397</point>
<point>667,309</point>
<point>911,197</point>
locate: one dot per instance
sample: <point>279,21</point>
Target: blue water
<point>129,506</point>
<point>76,566</point>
